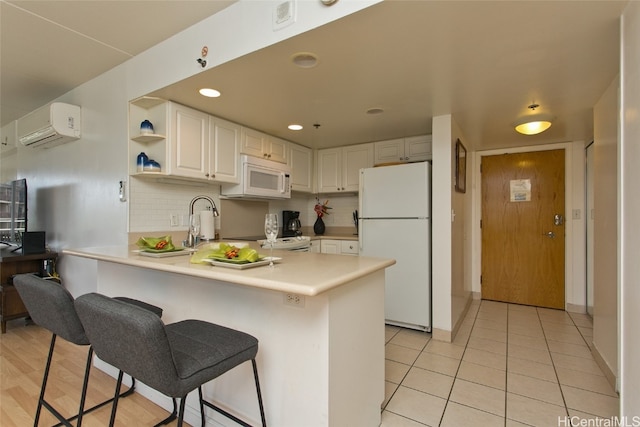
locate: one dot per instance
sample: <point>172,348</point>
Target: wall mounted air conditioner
<point>54,124</point>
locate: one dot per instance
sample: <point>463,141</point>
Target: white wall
<point>629,231</point>
<point>605,233</point>
<point>74,187</point>
<point>450,289</point>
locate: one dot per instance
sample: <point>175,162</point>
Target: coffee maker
<point>291,226</point>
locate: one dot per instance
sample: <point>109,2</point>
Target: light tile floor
<point>509,365</point>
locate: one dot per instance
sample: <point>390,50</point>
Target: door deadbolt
<point>558,219</point>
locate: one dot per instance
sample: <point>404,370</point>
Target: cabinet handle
<point>207,175</point>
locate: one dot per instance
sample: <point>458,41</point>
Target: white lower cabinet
<point>314,246</point>
<point>339,247</point>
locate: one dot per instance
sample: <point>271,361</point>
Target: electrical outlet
<point>294,300</point>
<point>173,219</point>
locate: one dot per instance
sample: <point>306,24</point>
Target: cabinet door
<point>355,158</point>
<point>253,143</point>
<point>389,151</point>
<point>314,246</point>
<point>330,246</point>
<point>301,163</point>
<point>349,247</point>
<point>417,148</point>
<point>189,142</point>
<point>277,149</point>
<point>329,170</point>
<point>224,151</point>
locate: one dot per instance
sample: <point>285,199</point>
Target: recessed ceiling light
<point>375,111</point>
<point>295,127</point>
<point>304,59</point>
<point>210,93</point>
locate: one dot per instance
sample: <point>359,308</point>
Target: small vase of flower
<point>321,210</point>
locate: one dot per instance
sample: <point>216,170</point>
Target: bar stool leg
<point>255,375</point>
<point>114,407</point>
<point>44,380</point>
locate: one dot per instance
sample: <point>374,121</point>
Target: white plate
<point>176,252</point>
<point>263,261</point>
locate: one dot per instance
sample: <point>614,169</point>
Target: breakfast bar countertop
<point>303,273</point>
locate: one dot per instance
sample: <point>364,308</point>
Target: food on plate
<point>226,252</point>
<point>156,244</point>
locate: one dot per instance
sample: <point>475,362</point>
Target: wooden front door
<point>523,239</point>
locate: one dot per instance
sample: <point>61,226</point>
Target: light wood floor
<point>23,354</point>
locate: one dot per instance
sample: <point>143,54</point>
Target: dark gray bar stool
<point>173,359</point>
<point>51,306</point>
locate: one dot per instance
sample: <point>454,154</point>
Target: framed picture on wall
<point>461,167</point>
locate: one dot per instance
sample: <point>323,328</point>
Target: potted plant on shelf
<point>321,210</point>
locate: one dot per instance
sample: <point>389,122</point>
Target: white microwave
<point>260,178</point>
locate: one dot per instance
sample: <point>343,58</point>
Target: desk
<point>12,263</point>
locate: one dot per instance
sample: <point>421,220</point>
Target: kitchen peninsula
<point>319,320</point>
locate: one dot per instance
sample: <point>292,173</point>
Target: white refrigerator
<point>395,222</point>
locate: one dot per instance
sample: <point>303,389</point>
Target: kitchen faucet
<point>190,238</point>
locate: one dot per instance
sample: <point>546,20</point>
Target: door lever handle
<point>550,234</point>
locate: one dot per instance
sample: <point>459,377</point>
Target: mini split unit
<point>49,126</point>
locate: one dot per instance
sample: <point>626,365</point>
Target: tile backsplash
<point>153,203</point>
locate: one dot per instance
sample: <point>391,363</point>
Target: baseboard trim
<point>441,335</point>
<point>448,336</point>
<point>604,366</point>
<point>576,308</point>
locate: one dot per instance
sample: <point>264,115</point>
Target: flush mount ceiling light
<point>295,127</point>
<point>533,124</point>
<point>209,93</point>
<point>304,59</point>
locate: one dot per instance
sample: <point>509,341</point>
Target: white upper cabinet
<point>224,149</point>
<point>405,150</point>
<point>260,144</point>
<point>189,142</point>
<point>339,168</point>
<point>277,149</point>
<point>301,164</point>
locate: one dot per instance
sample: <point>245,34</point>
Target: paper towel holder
<point>214,209</point>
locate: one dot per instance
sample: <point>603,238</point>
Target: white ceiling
<point>481,61</point>
<point>48,47</point>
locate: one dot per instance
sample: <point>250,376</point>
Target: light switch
<point>576,214</point>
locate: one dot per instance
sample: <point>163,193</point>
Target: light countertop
<point>302,273</point>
